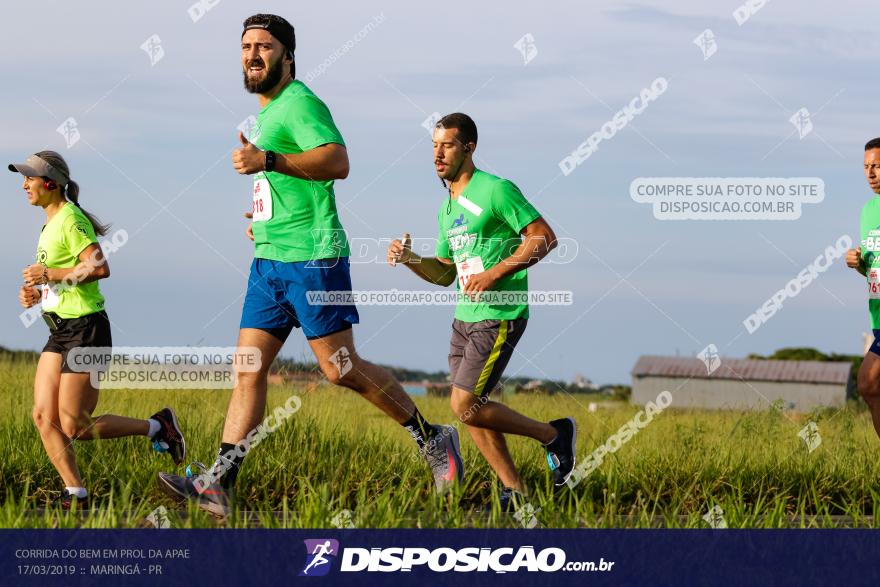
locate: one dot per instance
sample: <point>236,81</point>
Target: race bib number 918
<point>874,283</point>
<point>262,199</point>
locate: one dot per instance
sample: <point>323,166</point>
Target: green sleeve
<point>442,244</point>
<point>509,205</point>
<point>311,124</point>
<point>78,233</point>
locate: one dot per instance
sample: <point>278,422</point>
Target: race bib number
<point>262,200</point>
<point>466,268</point>
<point>50,297</point>
<point>874,284</point>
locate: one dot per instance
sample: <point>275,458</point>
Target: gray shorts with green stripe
<point>479,352</point>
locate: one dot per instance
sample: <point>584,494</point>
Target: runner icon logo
<point>320,553</point>
<point>342,360</point>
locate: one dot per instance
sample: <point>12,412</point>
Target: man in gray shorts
<point>489,235</point>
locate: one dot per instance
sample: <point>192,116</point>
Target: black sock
<point>419,429</point>
<point>227,465</point>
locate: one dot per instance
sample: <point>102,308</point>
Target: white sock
<point>154,427</point>
<point>79,492</point>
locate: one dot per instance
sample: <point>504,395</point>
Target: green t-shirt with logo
<point>62,239</point>
<point>480,228</point>
<point>870,237</point>
<point>295,219</point>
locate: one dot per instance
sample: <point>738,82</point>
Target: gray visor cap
<point>36,167</point>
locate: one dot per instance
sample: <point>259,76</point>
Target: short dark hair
<point>872,144</point>
<point>464,124</point>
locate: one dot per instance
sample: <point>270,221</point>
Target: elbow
<point>550,239</point>
<point>341,167</point>
<point>342,170</point>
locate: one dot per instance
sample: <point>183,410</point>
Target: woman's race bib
<point>50,298</point>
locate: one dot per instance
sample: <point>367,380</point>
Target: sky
<point>155,131</point>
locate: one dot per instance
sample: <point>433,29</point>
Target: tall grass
<point>338,452</point>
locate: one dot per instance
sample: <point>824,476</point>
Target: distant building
<point>741,384</point>
<point>582,383</point>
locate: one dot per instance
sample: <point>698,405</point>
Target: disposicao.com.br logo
<point>442,560</point>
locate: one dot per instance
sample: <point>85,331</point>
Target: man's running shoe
<point>210,497</point>
<point>444,457</point>
<point>70,502</point>
<point>169,438</point>
<point>560,452</point>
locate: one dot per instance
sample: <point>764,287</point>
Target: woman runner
<point>65,280</point>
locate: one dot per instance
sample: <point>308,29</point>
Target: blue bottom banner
<point>164,557</point>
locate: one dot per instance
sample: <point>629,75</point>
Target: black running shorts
<point>91,330</point>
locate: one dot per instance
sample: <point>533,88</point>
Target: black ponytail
<point>71,191</point>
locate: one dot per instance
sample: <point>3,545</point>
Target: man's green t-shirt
<point>61,241</point>
<point>482,227</point>
<point>870,236</point>
<point>295,219</point>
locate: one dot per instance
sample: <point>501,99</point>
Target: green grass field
<point>338,452</point>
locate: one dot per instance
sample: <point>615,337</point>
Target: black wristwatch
<point>270,161</point>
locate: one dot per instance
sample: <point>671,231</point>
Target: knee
<point>341,378</point>
<point>869,387</point>
<point>73,427</point>
<point>251,379</point>
<point>332,374</point>
<point>343,373</point>
<point>464,406</point>
<point>43,419</point>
